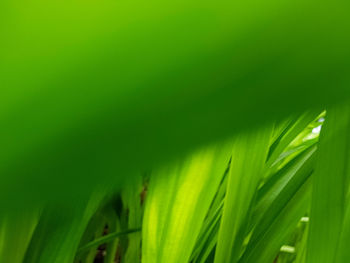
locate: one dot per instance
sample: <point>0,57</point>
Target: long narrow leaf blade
<point>248,159</point>
<point>329,186</point>
<point>178,200</point>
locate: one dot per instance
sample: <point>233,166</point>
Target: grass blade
<point>106,239</point>
<point>248,159</point>
<point>178,201</point>
<point>329,186</point>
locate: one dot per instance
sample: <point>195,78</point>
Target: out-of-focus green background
<point>93,92</point>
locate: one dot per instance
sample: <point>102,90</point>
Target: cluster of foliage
<point>248,199</point>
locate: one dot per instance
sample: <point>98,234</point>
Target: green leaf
<point>59,230</point>
<point>178,201</point>
<point>16,230</point>
<point>343,252</point>
<point>330,186</point>
<point>106,239</point>
<point>248,159</point>
<point>131,196</point>
<point>292,175</point>
<point>289,134</point>
<point>283,213</point>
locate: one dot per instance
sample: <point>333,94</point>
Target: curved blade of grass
<point>208,236</point>
<point>96,228</point>
<point>178,201</point>
<point>60,229</point>
<point>106,239</point>
<point>295,172</point>
<point>301,250</point>
<point>278,226</point>
<point>248,158</point>
<point>132,202</point>
<point>343,252</point>
<point>16,230</point>
<point>283,211</point>
<point>329,186</point>
<point>289,134</point>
